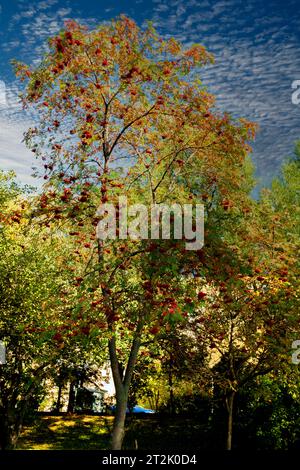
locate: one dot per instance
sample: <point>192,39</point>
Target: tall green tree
<point>31,277</point>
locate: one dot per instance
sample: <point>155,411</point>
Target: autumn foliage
<point>122,111</point>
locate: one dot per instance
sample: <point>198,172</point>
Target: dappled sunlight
<point>63,433</point>
<point>56,427</point>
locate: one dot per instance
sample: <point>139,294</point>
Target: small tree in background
<point>31,278</point>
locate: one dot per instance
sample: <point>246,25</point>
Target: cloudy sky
<point>256,44</point>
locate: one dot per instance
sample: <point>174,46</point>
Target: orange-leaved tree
<point>121,111</point>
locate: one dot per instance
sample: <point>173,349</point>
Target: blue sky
<point>256,44</point>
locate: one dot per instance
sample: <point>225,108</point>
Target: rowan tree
<point>121,111</point>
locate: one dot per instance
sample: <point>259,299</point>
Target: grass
<point>165,433</point>
<point>67,433</point>
<point>82,432</point>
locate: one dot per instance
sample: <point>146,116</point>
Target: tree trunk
<point>229,405</point>
<point>10,427</point>
<point>58,401</point>
<point>71,402</point>
<point>171,398</point>
<point>118,431</point>
<point>4,433</point>
<point>122,385</point>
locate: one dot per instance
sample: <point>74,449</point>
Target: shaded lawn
<point>67,432</point>
<point>84,432</point>
<point>166,433</point>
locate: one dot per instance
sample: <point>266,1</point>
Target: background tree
<point>30,279</point>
